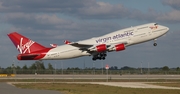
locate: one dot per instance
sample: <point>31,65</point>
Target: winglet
<point>54,45</point>
<point>67,42</point>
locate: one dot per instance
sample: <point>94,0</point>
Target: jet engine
<point>119,47</point>
<point>99,48</point>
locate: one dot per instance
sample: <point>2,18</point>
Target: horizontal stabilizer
<point>27,56</point>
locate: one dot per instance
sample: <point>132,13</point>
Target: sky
<point>53,21</point>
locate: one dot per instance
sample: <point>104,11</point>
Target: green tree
<point>25,67</point>
<point>50,67</point>
<point>33,66</point>
<point>9,68</point>
<point>76,68</point>
<point>177,69</point>
<point>165,68</point>
<point>40,65</point>
<point>18,67</point>
<point>68,68</point>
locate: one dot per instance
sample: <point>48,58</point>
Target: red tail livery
<point>29,50</point>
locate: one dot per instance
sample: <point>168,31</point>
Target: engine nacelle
<point>101,48</point>
<point>119,47</point>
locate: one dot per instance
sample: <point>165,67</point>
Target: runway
<point>131,85</point>
<point>40,76</point>
<point>118,84</point>
<point>135,85</point>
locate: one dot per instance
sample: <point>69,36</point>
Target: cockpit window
<point>156,24</point>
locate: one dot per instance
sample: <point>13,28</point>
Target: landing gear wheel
<point>99,56</point>
<point>155,44</point>
<point>94,59</point>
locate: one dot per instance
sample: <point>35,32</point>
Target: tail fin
<point>23,44</point>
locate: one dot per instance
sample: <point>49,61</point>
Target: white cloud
<point>50,19</point>
<point>35,6</point>
<point>52,25</point>
<point>103,10</point>
<point>171,17</point>
<point>84,9</point>
<point>79,8</point>
<point>172,3</point>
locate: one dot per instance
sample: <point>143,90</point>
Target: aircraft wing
<point>80,45</point>
<point>94,47</point>
<point>75,44</point>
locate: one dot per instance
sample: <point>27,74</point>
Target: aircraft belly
<point>62,53</point>
<point>71,54</point>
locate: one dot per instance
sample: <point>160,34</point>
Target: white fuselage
<point>131,36</point>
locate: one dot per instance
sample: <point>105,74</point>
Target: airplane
<point>97,47</point>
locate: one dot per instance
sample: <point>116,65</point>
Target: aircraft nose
<point>167,29</point>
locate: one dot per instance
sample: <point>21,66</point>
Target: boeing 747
<point>96,47</point>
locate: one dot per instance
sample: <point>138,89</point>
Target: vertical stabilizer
<point>23,44</point>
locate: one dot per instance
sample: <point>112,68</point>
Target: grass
<point>94,89</point>
<point>175,84</point>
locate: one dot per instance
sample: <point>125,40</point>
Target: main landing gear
<point>100,56</point>
<point>155,44</point>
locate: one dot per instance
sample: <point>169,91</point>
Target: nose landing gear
<point>155,44</point>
